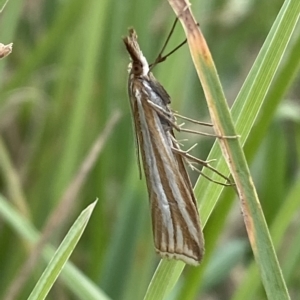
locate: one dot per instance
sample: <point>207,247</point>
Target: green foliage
<point>67,75</point>
<point>61,256</point>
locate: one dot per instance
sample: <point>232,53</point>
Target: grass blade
<point>61,256</point>
<point>77,282</point>
<point>245,105</point>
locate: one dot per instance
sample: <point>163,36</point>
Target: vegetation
<point>67,139</point>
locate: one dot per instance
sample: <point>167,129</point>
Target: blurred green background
<point>65,78</point>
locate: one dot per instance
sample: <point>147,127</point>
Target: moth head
<point>137,68</point>
<point>139,65</point>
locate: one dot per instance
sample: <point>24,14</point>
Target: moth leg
<point>192,159</point>
<point>207,134</point>
<point>168,117</point>
<point>192,120</point>
<point>188,150</point>
<point>172,121</point>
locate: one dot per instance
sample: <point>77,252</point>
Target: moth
<point>175,219</point>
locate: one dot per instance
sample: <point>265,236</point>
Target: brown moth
<point>175,219</point>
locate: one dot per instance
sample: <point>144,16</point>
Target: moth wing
<point>159,89</point>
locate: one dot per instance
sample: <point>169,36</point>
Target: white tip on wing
<point>183,257</point>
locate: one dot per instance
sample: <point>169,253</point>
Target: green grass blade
<point>254,219</point>
<point>283,80</point>
<point>77,282</point>
<point>62,255</point>
<point>2,4</point>
<point>94,21</point>
<point>247,104</point>
<point>291,204</point>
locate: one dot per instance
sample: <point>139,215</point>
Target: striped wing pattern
<point>175,219</point>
